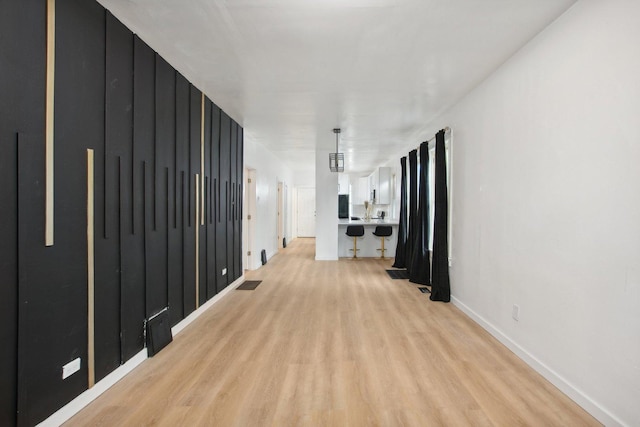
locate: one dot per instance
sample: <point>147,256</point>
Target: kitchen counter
<point>345,221</point>
<point>369,243</point>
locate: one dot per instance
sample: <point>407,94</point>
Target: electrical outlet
<point>515,312</point>
<point>224,271</point>
<point>70,368</point>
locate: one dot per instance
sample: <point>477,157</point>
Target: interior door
<point>306,212</point>
<point>280,216</point>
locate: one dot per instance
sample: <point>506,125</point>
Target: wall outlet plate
<point>70,368</point>
<point>515,312</point>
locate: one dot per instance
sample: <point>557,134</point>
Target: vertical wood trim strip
<point>197,231</point>
<point>201,194</point>
<point>90,271</point>
<point>49,118</point>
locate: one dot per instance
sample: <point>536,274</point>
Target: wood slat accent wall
<point>137,172</point>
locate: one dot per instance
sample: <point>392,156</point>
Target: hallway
<point>332,343</point>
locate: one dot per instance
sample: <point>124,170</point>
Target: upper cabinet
<point>380,186</point>
<point>374,188</point>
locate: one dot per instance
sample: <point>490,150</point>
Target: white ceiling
<point>289,71</point>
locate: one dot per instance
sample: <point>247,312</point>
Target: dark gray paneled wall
<point>115,95</point>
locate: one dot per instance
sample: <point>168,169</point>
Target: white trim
<point>65,413</point>
<point>70,409</point>
<point>577,395</point>
<point>204,307</point>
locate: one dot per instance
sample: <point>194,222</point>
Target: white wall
<point>546,184</point>
<point>326,208</point>
<point>305,178</point>
<point>269,171</point>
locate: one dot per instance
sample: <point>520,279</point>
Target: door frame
<point>280,215</point>
<point>249,218</point>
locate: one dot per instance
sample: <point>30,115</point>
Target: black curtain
<point>440,290</point>
<point>413,205</point>
<point>402,226</point>
<point>419,265</point>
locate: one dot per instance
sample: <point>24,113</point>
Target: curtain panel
<point>420,265</point>
<point>440,287</point>
<point>402,226</point>
<point>413,204</point>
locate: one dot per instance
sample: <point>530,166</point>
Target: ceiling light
<point>336,160</point>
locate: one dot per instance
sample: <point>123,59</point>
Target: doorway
<point>306,210</point>
<point>280,215</point>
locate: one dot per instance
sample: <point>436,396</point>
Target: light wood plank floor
<point>335,344</point>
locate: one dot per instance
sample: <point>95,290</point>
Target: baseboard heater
<point>158,332</point>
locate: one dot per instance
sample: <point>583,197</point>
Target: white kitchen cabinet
<point>380,181</point>
<point>373,186</point>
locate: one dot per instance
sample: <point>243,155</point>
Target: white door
<point>280,216</point>
<point>306,212</point>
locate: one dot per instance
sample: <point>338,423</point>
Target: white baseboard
<point>577,395</point>
<point>76,405</point>
<point>204,307</point>
<point>70,409</point>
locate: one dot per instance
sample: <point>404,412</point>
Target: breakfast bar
<point>368,244</point>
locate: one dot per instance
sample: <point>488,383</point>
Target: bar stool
<point>355,231</point>
<point>382,231</point>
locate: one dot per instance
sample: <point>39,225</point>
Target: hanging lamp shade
<point>336,160</point>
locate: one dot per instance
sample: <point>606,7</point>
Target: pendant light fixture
<point>336,160</point>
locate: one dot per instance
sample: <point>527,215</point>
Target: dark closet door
<point>222,225</point>
<point>240,161</point>
<point>213,201</point>
<point>204,172</point>
<point>156,231</point>
<point>237,218</point>
<point>233,188</point>
<point>190,227</point>
<point>120,318</point>
<point>180,196</point>
<point>107,175</point>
